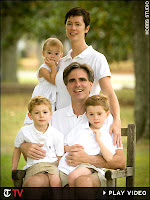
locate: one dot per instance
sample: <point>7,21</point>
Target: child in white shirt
<point>93,137</point>
<point>52,52</point>
<point>40,132</point>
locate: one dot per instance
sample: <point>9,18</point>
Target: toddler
<point>52,52</point>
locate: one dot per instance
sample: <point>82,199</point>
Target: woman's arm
<point>106,87</point>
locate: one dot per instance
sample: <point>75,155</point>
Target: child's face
<point>53,53</point>
<point>41,115</point>
<point>96,116</point>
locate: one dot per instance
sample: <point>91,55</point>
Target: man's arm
<point>32,150</point>
<point>76,158</point>
<point>106,87</point>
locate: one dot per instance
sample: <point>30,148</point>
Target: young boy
<point>93,137</point>
<point>52,52</point>
<point>40,132</point>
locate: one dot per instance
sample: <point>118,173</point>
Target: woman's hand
<point>116,129</point>
<point>33,150</point>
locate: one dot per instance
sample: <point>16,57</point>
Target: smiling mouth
<point>73,33</point>
<point>78,91</point>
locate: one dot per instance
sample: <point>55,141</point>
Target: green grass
<point>141,165</point>
<point>13,111</point>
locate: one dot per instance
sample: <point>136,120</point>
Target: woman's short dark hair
<point>76,65</point>
<point>78,11</point>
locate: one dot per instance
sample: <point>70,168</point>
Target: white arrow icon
<point>104,192</point>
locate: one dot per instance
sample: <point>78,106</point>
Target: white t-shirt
<point>85,137</point>
<point>98,63</point>
<point>65,120</point>
<point>52,139</point>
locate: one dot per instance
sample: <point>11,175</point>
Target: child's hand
<point>97,134</point>
<point>49,62</point>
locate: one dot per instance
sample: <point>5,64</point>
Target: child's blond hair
<point>97,100</point>
<point>38,100</point>
<point>53,42</point>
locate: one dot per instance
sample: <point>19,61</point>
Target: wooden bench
<point>129,171</point>
<point>111,175</point>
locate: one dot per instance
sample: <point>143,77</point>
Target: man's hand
<point>75,158</point>
<point>33,150</point>
<point>116,129</point>
<point>76,147</point>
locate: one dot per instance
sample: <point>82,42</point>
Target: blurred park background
<point>117,30</point>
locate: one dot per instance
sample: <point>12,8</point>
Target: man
<point>78,79</point>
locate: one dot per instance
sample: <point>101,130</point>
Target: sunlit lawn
<point>13,111</point>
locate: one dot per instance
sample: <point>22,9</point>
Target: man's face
<point>78,85</point>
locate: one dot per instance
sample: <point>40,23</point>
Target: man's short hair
<point>97,100</point>
<point>38,100</point>
<point>76,65</point>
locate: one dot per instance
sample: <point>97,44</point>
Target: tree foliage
<point>110,29</point>
<point>41,19</point>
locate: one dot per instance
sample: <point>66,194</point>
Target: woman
<point>77,21</point>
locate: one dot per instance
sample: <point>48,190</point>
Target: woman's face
<point>75,28</point>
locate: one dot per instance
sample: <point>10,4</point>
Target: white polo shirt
<point>65,120</point>
<point>97,62</point>
<point>52,139</point>
<point>84,136</point>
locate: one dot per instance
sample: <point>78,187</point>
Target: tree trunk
<point>141,67</point>
<point>9,64</point>
<point>8,54</point>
